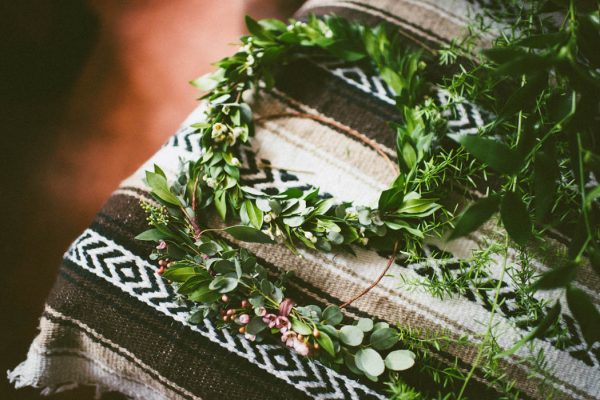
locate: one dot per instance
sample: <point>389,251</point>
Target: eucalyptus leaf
<point>370,362</point>
<point>351,335</point>
<point>384,338</point>
<point>400,360</point>
<point>332,315</point>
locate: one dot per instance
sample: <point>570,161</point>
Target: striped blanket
<point>110,321</point>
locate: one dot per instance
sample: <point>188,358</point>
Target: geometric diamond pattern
<point>136,276</point>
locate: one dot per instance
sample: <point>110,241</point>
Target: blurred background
<point>88,91</point>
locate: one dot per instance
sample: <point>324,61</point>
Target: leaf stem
<point>387,267</point>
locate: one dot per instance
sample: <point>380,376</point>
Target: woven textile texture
<point>110,321</point>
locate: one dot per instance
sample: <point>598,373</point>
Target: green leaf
<point>196,318</point>
<point>204,295</point>
<point>400,360</point>
<point>300,327</point>
<point>255,29</point>
<point>492,152</point>
<point>557,277</point>
<point>380,325</point>
<point>293,222</point>
<point>391,199</point>
<point>152,235</point>
<point>326,343</point>
<point>351,335</point>
<point>543,41</point>
<point>223,284</point>
<point>248,234</point>
<point>474,216</point>
<point>220,203</point>
<point>545,183</point>
<point>349,360</point>
<point>193,283</point>
<point>179,274</point>
<point>160,188</point>
<point>332,315</point>
<point>255,326</point>
<point>515,218</point>
<point>586,314</point>
<point>365,324</point>
<point>384,338</point>
<point>208,81</point>
<point>252,214</point>
<point>370,362</point>
<point>209,248</point>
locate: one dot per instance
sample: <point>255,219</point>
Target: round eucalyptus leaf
<point>370,362</point>
<point>400,360</point>
<point>380,325</point>
<point>351,335</point>
<point>332,315</point>
<point>384,338</point>
<point>365,324</point>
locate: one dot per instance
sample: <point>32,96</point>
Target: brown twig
<point>328,121</point>
<point>387,267</point>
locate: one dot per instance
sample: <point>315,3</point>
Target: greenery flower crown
<point>229,286</point>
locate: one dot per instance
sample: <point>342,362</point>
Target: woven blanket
<point>111,322</point>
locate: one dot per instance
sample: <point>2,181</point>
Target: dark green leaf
<point>179,274</point>
<point>255,326</point>
<point>248,234</point>
<point>586,314</point>
<point>515,218</point>
<point>492,152</point>
<point>475,216</point>
<point>204,295</point>
<point>556,277</point>
<point>152,235</point>
<point>545,183</point>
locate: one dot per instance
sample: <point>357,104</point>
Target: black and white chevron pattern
<point>136,277</point>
